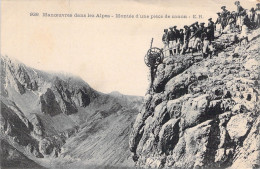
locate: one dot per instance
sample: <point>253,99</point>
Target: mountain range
<point>53,120</point>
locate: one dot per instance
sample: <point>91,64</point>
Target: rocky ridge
<point>202,113</point>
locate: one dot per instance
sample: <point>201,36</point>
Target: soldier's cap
<point>175,27</point>
<point>165,30</point>
<point>202,23</point>
<point>252,9</point>
<point>223,7</point>
<point>196,22</point>
<point>181,29</point>
<point>218,13</point>
<point>258,4</point>
<point>185,26</point>
<point>170,27</point>
<point>210,19</point>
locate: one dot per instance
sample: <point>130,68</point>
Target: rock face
<point>202,113</point>
<point>46,116</point>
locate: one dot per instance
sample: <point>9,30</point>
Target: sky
<point>107,53</point>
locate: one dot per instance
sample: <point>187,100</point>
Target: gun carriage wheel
<point>153,57</point>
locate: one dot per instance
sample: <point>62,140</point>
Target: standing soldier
<point>252,15</point>
<point>206,39</point>
<point>181,41</point>
<point>224,14</point>
<point>211,29</point>
<point>198,36</point>
<point>186,39</point>
<point>218,26</point>
<point>240,14</point>
<point>191,39</point>
<point>165,41</point>
<point>245,30</point>
<point>177,40</point>
<point>257,15</point>
<point>232,21</point>
<point>171,38</point>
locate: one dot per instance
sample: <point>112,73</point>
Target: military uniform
<point>252,15</point>
<point>218,24</point>
<point>177,40</point>
<point>198,36</point>
<point>207,45</point>
<point>224,14</point>
<point>240,15</point>
<point>181,41</point>
<point>212,29</point>
<point>171,39</point>
<point>186,37</point>
<point>192,37</point>
<point>232,22</point>
<point>181,37</point>
<point>165,41</point>
<point>257,15</point>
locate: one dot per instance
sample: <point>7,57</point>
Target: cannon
<point>154,56</point>
<point>152,59</point>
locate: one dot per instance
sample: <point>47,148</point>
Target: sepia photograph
<point>130,84</point>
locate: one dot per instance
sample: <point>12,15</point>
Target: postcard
<point>130,84</point>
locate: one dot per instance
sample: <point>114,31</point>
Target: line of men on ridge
<point>197,36</point>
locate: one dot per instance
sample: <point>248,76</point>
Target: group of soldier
<point>200,37</point>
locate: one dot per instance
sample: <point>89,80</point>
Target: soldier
<point>191,40</point>
<point>171,38</point>
<point>212,29</point>
<point>177,40</point>
<point>252,15</point>
<point>240,9</point>
<point>257,15</point>
<point>224,14</point>
<point>186,39</point>
<point>206,39</point>
<point>244,32</point>
<point>198,36</point>
<point>218,26</point>
<point>232,21</point>
<point>165,41</point>
<point>181,40</point>
<point>240,14</point>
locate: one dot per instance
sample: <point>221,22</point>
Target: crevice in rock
<point>212,146</point>
<point>165,118</point>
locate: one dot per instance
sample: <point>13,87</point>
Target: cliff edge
<point>202,113</point>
